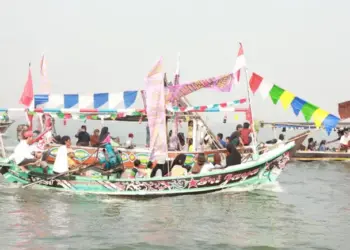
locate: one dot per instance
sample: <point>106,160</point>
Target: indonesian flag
<point>28,93</point>
<point>240,64</point>
<point>44,84</point>
<point>258,82</point>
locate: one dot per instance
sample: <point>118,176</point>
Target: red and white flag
<point>258,82</point>
<point>44,83</point>
<point>28,93</point>
<point>240,64</point>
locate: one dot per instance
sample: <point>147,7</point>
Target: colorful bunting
<point>319,116</point>
<point>330,123</point>
<point>225,106</point>
<point>308,110</point>
<point>275,93</point>
<point>297,105</point>
<point>287,99</point>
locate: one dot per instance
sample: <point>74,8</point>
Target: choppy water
<point>308,209</point>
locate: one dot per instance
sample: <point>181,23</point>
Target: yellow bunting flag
<point>286,99</point>
<point>236,117</point>
<point>319,116</point>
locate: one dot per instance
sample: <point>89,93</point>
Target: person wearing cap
<point>235,137</point>
<point>23,154</point>
<point>129,142</point>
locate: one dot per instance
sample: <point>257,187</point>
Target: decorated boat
<point>162,102</point>
<point>251,174</point>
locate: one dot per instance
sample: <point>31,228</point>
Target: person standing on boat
<point>235,137</point>
<point>83,137</point>
<point>173,141</point>
<point>64,157</point>
<point>110,160</point>
<point>245,134</point>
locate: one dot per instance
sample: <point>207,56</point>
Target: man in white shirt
<point>24,155</point>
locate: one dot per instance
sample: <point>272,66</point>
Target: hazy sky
<point>110,45</point>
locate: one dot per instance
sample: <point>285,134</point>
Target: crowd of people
<point>31,151</point>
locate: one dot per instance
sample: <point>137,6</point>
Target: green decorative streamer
<point>275,93</point>
<point>308,110</point>
<point>94,117</point>
<point>60,115</point>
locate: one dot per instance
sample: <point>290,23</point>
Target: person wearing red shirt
<point>245,134</point>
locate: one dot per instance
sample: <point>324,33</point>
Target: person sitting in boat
<point>234,157</point>
<point>24,155</point>
<point>235,137</point>
<point>202,165</point>
<point>245,134</point>
<point>206,145</point>
<point>161,169</point>
<point>173,141</point>
<point>64,157</point>
<point>344,141</point>
<point>280,139</point>
<point>136,171</point>
<point>217,161</point>
<point>110,160</point>
<point>311,145</point>
<point>94,139</point>
<point>220,137</point>
<point>177,168</point>
<point>322,146</point>
<point>83,137</point>
<point>129,142</point>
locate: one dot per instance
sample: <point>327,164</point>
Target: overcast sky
<point>110,45</point>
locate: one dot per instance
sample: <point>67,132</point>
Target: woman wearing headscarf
<point>177,168</point>
<point>234,157</point>
<point>110,160</point>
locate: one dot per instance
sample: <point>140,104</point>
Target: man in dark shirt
<point>235,137</point>
<point>83,137</point>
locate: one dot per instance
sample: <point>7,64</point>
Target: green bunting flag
<point>275,93</point>
<point>308,110</point>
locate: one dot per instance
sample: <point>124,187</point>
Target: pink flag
<point>28,93</point>
<point>155,103</point>
<point>240,64</point>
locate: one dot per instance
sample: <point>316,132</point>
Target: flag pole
<point>250,109</point>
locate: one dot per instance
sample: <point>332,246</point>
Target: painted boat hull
<point>250,174</point>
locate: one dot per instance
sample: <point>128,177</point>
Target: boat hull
<point>251,174</point>
<point>308,156</point>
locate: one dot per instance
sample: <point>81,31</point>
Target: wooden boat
<point>300,154</point>
<point>4,126</point>
<point>251,174</point>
